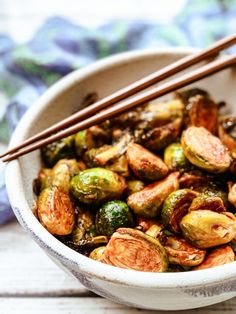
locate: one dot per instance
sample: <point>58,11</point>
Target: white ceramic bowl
<point>165,291</point>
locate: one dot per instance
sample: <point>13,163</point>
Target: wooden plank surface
<point>93,306</point>
<point>27,270</point>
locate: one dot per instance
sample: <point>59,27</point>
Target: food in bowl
<point>149,190</point>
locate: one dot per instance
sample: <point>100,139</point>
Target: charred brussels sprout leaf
<point>145,164</point>
<point>85,226</point>
<point>129,248</point>
<point>120,166</point>
<point>56,211</point>
<point>113,215</point>
<point>205,150</point>
<point>63,148</point>
<point>220,256</point>
<point>96,185</point>
<point>205,228</point>
<point>175,207</point>
<point>180,252</point>
<point>175,159</point>
<point>148,202</point>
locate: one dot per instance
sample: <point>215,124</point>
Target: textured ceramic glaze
<point>165,291</point>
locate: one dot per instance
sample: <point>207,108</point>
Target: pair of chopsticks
<point>93,115</point>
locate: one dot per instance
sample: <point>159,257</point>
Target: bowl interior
<point>65,97</point>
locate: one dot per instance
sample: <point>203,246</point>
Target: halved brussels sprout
<point>62,173</point>
<point>208,202</point>
<point>96,185</point>
<point>134,186</point>
<point>205,228</point>
<point>129,248</point>
<point>43,181</point>
<point>61,149</point>
<point>232,193</point>
<point>203,112</point>
<point>158,138</point>
<point>175,159</point>
<point>227,132</point>
<point>148,202</point>
<point>205,150</point>
<point>180,252</point>
<point>175,207</point>
<point>97,254</point>
<point>56,211</point>
<point>220,256</point>
<point>85,226</point>
<point>113,215</point>
<point>144,164</point>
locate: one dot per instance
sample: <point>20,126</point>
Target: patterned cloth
<point>59,47</point>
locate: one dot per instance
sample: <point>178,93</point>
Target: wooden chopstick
<point>130,90</point>
<point>135,101</point>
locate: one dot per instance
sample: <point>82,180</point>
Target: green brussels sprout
<point>85,226</point>
<point>175,159</point>
<point>205,150</point>
<point>113,215</point>
<point>62,173</point>
<point>56,211</point>
<point>144,164</point>
<point>175,207</point>
<point>180,252</point>
<point>205,228</point>
<point>202,112</point>
<point>43,181</point>
<point>97,254</point>
<point>97,185</point>
<point>63,148</point>
<point>232,193</point>
<point>148,202</point>
<point>120,166</point>
<point>158,138</point>
<point>129,248</point>
<point>219,256</point>
<point>134,186</point>
<point>208,202</point>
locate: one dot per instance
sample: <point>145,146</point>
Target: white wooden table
<point>31,283</point>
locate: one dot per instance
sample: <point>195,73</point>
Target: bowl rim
<point>59,250</point>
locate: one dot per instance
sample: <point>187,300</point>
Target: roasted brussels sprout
<point>232,193</point>
<point>194,180</point>
<point>220,256</point>
<point>187,94</point>
<point>85,226</point>
<point>129,248</point>
<point>208,202</point>
<point>160,137</point>
<point>97,254</point>
<point>175,159</point>
<point>120,166</point>
<point>113,215</point>
<point>144,224</point>
<point>205,150</point>
<point>155,230</point>
<point>62,173</point>
<point>227,132</point>
<point>83,141</point>
<point>202,112</point>
<point>61,149</point>
<point>144,164</point>
<point>175,207</point>
<point>180,252</point>
<point>134,186</point>
<point>148,202</point>
<point>43,181</point>
<point>205,228</point>
<point>56,211</point>
<point>97,185</point>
